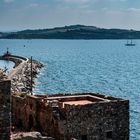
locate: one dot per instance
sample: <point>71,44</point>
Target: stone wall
<point>29,136</point>
<point>24,112</point>
<point>5,86</point>
<point>101,120</point>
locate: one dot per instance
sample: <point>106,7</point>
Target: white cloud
<point>33,5</point>
<point>123,0</point>
<point>118,0</point>
<point>104,9</point>
<point>134,9</point>
<point>8,1</point>
<point>77,1</point>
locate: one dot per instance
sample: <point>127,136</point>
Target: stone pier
<point>20,75</point>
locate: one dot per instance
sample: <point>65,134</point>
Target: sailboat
<point>130,43</point>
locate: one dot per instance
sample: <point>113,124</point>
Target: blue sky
<point>34,14</point>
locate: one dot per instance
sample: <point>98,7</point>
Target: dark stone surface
<point>5,86</point>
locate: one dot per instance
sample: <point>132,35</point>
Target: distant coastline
<point>72,32</point>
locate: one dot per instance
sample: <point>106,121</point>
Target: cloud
<point>8,1</point>
<point>77,1</point>
<point>33,5</point>
<point>117,0</point>
<point>134,9</point>
<point>123,0</point>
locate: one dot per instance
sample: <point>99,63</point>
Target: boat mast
<point>31,76</point>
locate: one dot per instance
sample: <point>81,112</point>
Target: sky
<point>39,14</point>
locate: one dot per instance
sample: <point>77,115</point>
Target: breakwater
<point>20,75</point>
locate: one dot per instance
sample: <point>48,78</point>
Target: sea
<point>70,66</point>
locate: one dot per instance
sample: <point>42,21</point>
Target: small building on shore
<point>87,116</point>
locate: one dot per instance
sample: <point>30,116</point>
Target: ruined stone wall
<point>24,112</point>
<point>99,121</point>
<point>34,113</point>
<point>5,86</point>
<point>45,116</point>
<point>104,120</point>
<point>18,106</point>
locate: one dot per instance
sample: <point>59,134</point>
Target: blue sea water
<point>105,66</point>
<point>6,65</point>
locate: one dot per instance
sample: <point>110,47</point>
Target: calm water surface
<point>105,66</point>
<point>6,65</point>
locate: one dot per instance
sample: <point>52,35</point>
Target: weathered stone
<point>5,86</point>
<point>101,119</point>
<point>29,136</point>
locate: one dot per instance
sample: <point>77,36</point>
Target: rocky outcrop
<point>29,136</point>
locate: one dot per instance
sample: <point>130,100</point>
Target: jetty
<point>20,75</point>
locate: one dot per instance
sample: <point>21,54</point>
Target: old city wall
<point>5,86</point>
<point>32,113</point>
<point>99,121</point>
<point>24,112</point>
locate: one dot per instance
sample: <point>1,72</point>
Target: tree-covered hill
<point>73,32</point>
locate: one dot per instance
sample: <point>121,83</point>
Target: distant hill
<point>73,32</point>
